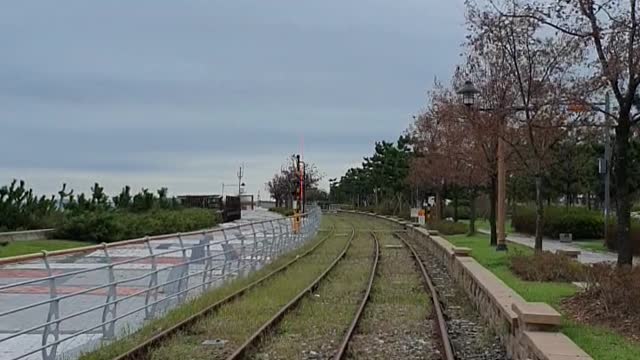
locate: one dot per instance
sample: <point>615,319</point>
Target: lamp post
<point>469,94</point>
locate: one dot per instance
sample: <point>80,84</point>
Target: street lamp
<point>469,93</point>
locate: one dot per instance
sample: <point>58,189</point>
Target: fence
<point>78,299</point>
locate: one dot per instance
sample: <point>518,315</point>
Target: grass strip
<point>17,248</point>
<point>600,343</point>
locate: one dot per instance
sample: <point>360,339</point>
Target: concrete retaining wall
<point>529,331</point>
<point>26,235</point>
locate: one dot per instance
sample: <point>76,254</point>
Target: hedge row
<point>581,222</point>
<point>446,227</point>
<point>110,226</point>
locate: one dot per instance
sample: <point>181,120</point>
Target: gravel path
<point>469,337</point>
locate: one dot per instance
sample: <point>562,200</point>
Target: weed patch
<point>546,266</point>
<point>610,299</point>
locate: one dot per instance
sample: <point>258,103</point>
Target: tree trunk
<point>492,216</point>
<point>539,214</point>
<point>472,212</point>
<point>455,204</point>
<point>623,202</point>
<point>438,206</point>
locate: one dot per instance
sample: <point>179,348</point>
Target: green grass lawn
<point>600,343</point>
<point>592,245</point>
<point>484,225</point>
<point>35,246</point>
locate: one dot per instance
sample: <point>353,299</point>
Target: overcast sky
<point>180,93</point>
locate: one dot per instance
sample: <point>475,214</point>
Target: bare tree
<point>610,30</point>
<point>540,70</point>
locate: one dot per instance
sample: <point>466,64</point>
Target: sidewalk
<point>585,257</point>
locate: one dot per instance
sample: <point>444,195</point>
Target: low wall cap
<point>537,313</point>
<point>461,251</point>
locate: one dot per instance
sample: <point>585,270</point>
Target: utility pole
<point>240,175</point>
<point>607,161</point>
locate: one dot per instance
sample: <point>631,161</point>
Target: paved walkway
<point>15,297</point>
<point>585,257</point>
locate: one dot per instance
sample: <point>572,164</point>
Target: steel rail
<point>140,351</point>
<point>342,350</point>
<point>241,351</point>
<point>442,324</point>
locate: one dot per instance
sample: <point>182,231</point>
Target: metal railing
<point>125,290</point>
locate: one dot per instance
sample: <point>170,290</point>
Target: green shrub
<point>547,266</point>
<point>109,226</point>
<point>581,222</point>
<point>94,226</point>
<point>446,227</point>
<point>463,212</point>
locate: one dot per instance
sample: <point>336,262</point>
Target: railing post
<point>207,274</point>
<point>280,236</point>
<point>152,293</point>
<point>183,283</point>
<point>109,310</point>
<point>243,253</point>
<point>289,235</point>
<point>265,245</point>
<point>54,314</point>
<point>227,259</point>
<point>273,240</point>
<point>254,248</point>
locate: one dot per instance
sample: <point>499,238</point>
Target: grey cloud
<point>125,90</point>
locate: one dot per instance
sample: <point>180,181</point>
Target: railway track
<point>367,341</point>
<point>342,350</point>
<point>243,349</point>
<point>142,350</point>
<point>349,300</point>
<point>442,323</point>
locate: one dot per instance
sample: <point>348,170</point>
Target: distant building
<point>202,201</point>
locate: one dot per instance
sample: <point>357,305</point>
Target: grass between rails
<point>396,320</point>
<point>236,321</point>
<point>316,327</point>
<point>17,248</point>
<point>600,343</point>
<point>182,312</point>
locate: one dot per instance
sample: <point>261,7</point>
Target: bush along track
<point>218,335</point>
<point>397,322</point>
<point>469,338</point>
